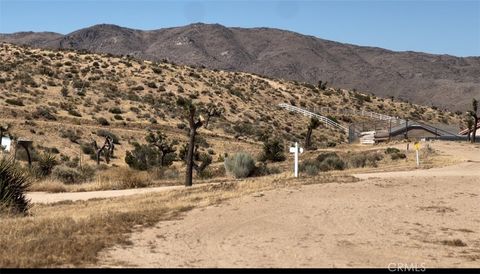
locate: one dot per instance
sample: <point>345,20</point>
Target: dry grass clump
<point>72,233</point>
<point>109,179</point>
<point>48,185</point>
<point>123,178</point>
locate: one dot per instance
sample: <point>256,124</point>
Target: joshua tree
<point>212,111</point>
<point>314,123</point>
<point>195,121</point>
<point>473,114</point>
<point>165,146</point>
<point>108,147</point>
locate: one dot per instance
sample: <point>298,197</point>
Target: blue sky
<point>441,27</point>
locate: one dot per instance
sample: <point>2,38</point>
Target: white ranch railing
<point>322,119</point>
<point>362,112</point>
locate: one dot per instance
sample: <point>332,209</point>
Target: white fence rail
<point>322,119</point>
<point>365,113</point>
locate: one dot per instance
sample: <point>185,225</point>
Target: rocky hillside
<point>438,80</point>
<point>65,99</point>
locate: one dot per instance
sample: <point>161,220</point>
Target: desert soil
<point>427,218</point>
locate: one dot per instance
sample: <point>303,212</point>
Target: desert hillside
<point>63,100</point>
<point>434,80</point>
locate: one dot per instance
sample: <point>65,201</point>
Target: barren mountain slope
<point>439,80</point>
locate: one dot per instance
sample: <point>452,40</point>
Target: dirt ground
<point>426,218</point>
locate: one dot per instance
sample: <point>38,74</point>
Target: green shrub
<point>263,170</point>
<point>115,110</point>
<point>320,158</point>
<point>43,112</point>
<point>364,159</point>
<point>67,175</point>
<point>332,163</point>
<point>102,121</point>
<point>241,165</point>
<point>70,175</point>
<point>71,134</point>
<point>87,149</point>
<point>398,155</point>
<point>273,151</point>
<point>310,166</point>
<point>323,162</point>
<point>13,186</point>
<point>45,164</point>
<point>74,112</point>
<point>391,150</point>
<point>15,102</point>
<point>142,157</point>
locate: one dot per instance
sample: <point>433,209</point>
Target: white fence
<point>365,113</point>
<point>322,119</point>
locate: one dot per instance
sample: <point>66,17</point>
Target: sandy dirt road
<point>428,218</point>
<point>46,198</point>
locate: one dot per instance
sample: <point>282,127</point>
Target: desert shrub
<point>164,173</point>
<point>102,121</point>
<point>332,163</point>
<point>125,178</point>
<point>72,135</point>
<point>264,170</point>
<point>22,154</point>
<point>241,165</point>
<point>273,151</point>
<point>15,102</point>
<point>326,155</point>
<point>70,175</point>
<point>142,157</point>
<point>45,164</point>
<point>323,162</point>
<point>87,149</point>
<point>391,150</point>
<point>115,110</point>
<point>67,175</point>
<point>364,159</point>
<point>13,187</point>
<point>397,156</point>
<point>310,166</point>
<point>105,133</point>
<point>74,112</point>
<point>52,150</point>
<point>64,91</point>
<point>43,112</point>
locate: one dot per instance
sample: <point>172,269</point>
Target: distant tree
<point>195,121</point>
<point>314,123</point>
<point>469,122</point>
<point>212,111</point>
<point>474,115</point>
<point>322,85</point>
<point>166,148</point>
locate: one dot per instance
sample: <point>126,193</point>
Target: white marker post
<point>296,150</point>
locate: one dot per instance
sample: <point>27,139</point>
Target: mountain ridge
<point>442,80</point>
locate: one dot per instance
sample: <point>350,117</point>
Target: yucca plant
<point>13,186</point>
<point>46,163</point>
